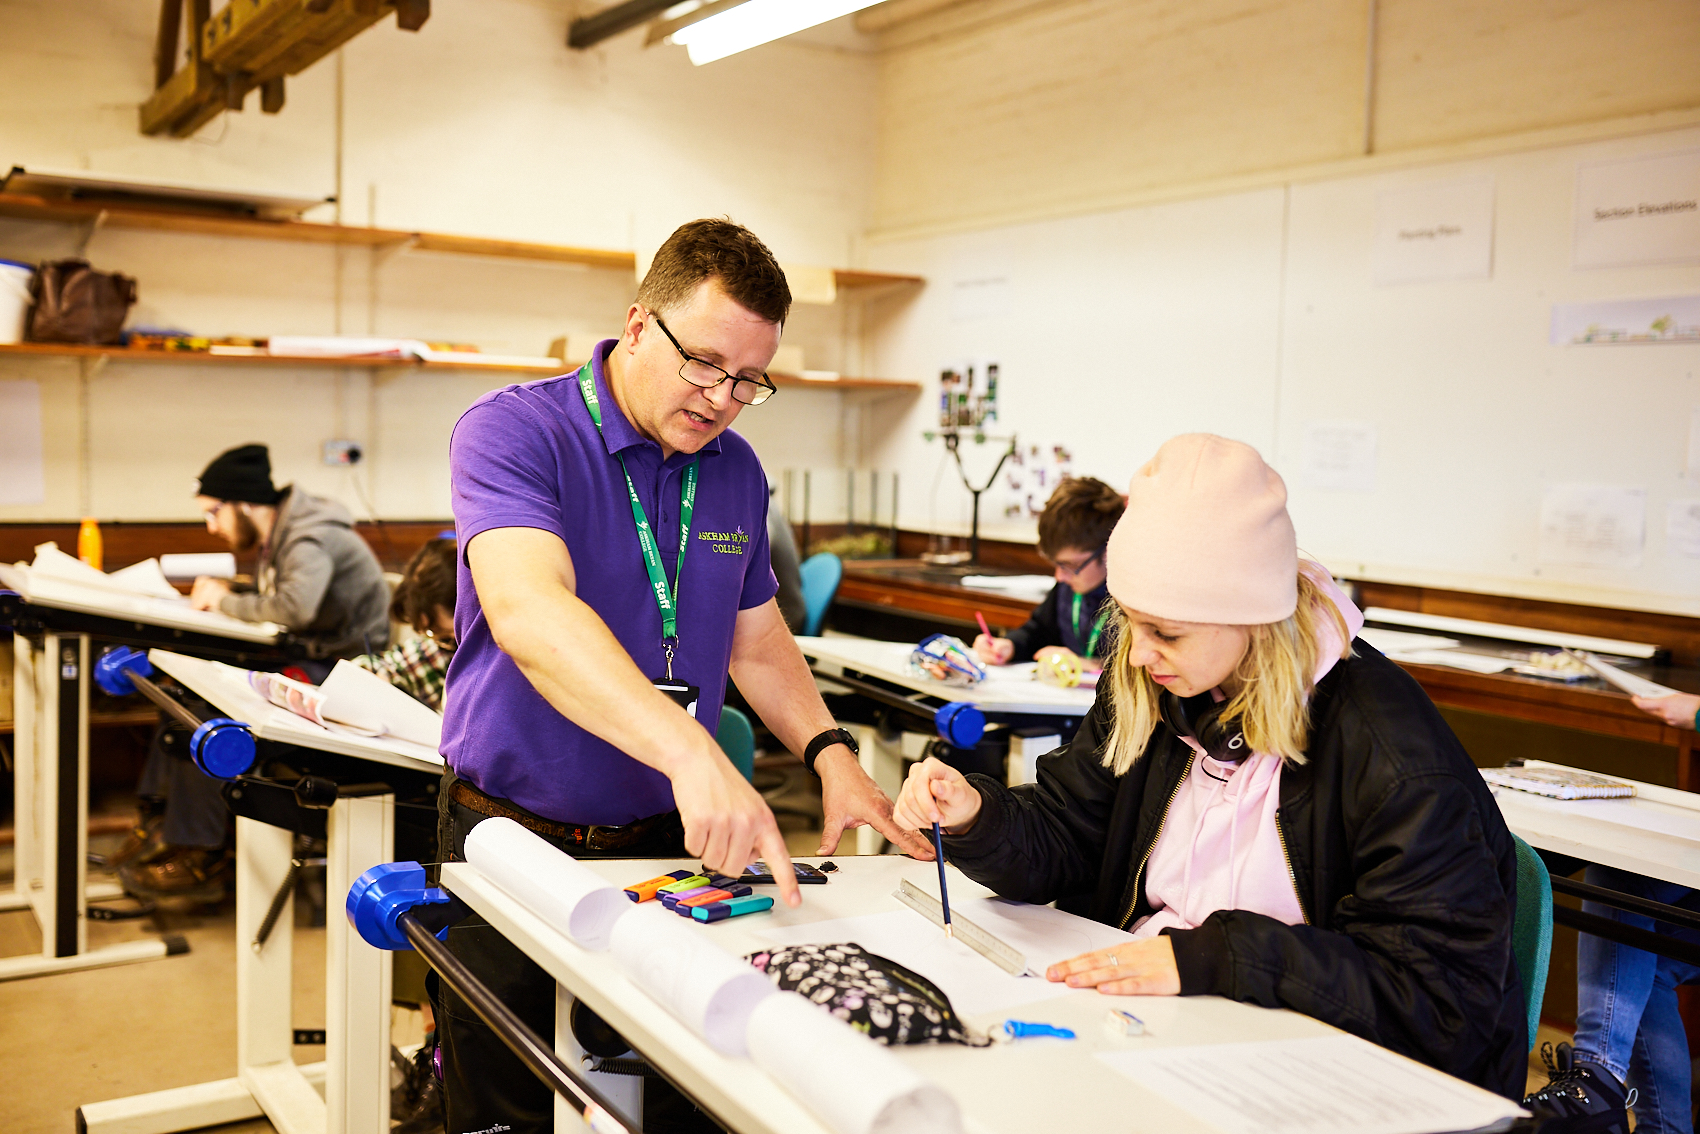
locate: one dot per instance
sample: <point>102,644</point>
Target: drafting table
<point>54,621</point>
<point>995,1087</point>
<point>359,833</point>
<point>880,672</point>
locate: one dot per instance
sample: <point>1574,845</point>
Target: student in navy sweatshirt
<point>1073,530</point>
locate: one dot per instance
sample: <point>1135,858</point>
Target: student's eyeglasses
<point>212,513</point>
<point>706,375</point>
<point>1074,569</point>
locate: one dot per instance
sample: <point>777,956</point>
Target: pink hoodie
<point>1219,847</point>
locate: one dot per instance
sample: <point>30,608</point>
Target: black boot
<point>1580,1097</point>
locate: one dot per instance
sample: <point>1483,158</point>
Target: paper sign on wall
<point>1641,211</point>
<point>1340,455</point>
<point>23,475</point>
<point>1682,528</point>
<point>1592,526</point>
<point>1439,231</point>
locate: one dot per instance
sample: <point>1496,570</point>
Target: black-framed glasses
<point>706,375</point>
<point>1072,570</point>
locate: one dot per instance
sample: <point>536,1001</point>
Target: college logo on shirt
<point>726,543</point>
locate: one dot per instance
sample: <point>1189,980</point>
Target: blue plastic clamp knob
<point>961,724</point>
<point>111,671</point>
<point>380,896</point>
<point>222,748</point>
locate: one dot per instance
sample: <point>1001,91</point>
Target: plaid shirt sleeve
<point>418,667</point>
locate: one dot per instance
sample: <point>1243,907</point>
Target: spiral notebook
<point>1559,783</point>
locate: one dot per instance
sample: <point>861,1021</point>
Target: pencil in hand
<point>944,894</point>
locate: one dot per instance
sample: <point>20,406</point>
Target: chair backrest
<point>737,739</point>
<point>821,574</point>
<point>1531,930</point>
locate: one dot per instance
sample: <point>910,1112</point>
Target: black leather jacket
<point>1404,869</point>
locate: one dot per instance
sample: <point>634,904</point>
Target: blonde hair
<point>1275,678</point>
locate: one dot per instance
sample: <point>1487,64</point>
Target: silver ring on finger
<point>1114,960</point>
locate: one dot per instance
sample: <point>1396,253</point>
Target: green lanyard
<point>1097,628</point>
<point>667,600</point>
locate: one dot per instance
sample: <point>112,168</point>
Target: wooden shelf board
<point>850,277</point>
<point>118,717</point>
<point>798,382</point>
<point>125,354</point>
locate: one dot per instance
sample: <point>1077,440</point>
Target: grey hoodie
<point>319,580</point>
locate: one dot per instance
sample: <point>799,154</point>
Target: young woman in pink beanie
<point>1276,812</point>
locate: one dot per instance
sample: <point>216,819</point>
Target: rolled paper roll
<point>708,989</point>
<point>547,881</point>
<point>214,564</point>
<point>850,1082</point>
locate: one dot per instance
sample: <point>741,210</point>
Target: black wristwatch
<point>826,740</point>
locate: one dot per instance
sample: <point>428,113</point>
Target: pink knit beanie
<point>1206,537</point>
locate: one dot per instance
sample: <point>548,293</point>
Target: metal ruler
<point>1006,957</point>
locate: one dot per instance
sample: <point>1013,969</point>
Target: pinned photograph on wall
<point>1643,210</point>
<point>1032,473</point>
<point>1340,455</point>
<point>1627,322</point>
<point>1585,525</point>
<point>1441,230</point>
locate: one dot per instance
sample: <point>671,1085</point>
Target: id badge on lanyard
<point>686,695</point>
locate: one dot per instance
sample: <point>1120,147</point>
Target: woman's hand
<point>1676,709</point>
<point>936,793</point>
<point>1138,968</point>
<point>994,651</point>
<point>1057,651</point>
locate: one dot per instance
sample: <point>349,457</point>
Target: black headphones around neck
<point>1200,717</point>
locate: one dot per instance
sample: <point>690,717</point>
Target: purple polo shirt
<point>529,456</point>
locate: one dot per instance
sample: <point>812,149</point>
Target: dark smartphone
<point>757,874</point>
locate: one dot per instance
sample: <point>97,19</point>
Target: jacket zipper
<point>1133,899</point>
<point>1291,873</point>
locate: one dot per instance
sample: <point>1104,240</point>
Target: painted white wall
<point>482,123</point>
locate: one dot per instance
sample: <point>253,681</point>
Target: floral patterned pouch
<point>876,996</point>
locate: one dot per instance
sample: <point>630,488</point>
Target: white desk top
<point>226,687</point>
<point>1007,689</point>
<point>1015,1088</point>
<point>1655,833</point>
<point>175,614</point>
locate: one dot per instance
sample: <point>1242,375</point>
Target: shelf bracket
<point>95,223</point>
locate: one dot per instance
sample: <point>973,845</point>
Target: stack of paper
<point>1033,587</point>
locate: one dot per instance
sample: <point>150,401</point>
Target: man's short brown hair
<point>427,582</point>
<point>1080,513</point>
<point>719,250</point>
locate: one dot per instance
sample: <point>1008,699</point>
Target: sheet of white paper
<point>1593,526</point>
<point>1682,527</point>
<point>1455,659</point>
<point>1392,641</point>
<point>23,472</point>
<point>551,883</point>
<point>986,297</point>
<point>868,1090</point>
<point>142,578</point>
<point>1272,1089</point>
<point>1442,230</point>
<point>1340,455</point>
<point>358,697</point>
<point>1692,467</point>
<point>145,578</point>
<point>1624,680</point>
<point>683,970</point>
<point>213,564</point>
<point>1626,322</point>
<point>1643,210</point>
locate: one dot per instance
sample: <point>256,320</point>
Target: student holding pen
<point>1276,812</point>
<point>1072,619</point>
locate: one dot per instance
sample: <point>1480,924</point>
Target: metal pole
<point>894,552</point>
<point>599,1114</point>
<point>164,700</point>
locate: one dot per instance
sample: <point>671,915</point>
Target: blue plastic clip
<point>111,671</point>
<point>961,724</point>
<point>222,748</point>
<point>380,896</point>
<point>1022,1029</point>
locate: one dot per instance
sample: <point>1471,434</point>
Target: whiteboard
<point>1255,315</point>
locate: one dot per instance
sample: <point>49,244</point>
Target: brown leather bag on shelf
<point>76,304</point>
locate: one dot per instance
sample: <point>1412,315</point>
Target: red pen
<point>981,619</point>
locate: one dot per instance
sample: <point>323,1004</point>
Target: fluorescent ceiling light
<point>755,22</point>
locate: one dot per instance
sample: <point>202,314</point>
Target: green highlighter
<point>735,907</point>
<point>683,884</point>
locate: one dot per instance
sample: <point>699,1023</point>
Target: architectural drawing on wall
<point>1627,322</point>
<point>1033,473</point>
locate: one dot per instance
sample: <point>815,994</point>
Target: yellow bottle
<point>88,543</point>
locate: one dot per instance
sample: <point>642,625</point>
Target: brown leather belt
<point>585,835</point>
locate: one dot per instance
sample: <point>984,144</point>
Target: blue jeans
<point>1626,1018</point>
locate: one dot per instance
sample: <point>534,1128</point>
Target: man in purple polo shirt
<point>615,570</point>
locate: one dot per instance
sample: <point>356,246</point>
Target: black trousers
<point>485,1086</point>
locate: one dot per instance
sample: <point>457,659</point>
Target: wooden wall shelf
<point>796,381</point>
<point>202,358</point>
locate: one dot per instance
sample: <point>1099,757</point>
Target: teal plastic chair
<point>1531,930</point>
<point>738,740</point>
<point>821,575</point>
